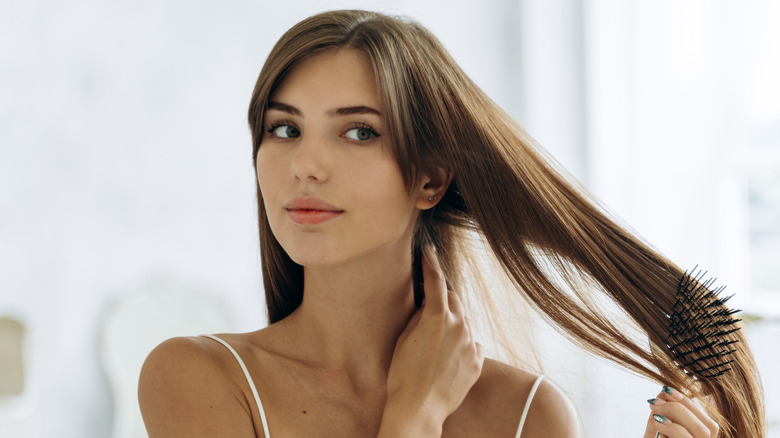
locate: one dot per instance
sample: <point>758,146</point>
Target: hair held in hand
<point>561,252</point>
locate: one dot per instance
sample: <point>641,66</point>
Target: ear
<point>431,187</point>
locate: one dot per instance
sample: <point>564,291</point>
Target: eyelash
<point>366,126</point>
<point>357,125</point>
<point>272,127</point>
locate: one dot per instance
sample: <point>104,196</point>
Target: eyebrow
<point>345,111</point>
<point>360,109</point>
<point>284,108</point>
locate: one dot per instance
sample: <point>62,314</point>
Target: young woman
<point>382,170</point>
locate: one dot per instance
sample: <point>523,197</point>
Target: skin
<point>684,417</point>
<point>356,358</point>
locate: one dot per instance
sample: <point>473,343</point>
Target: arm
<point>435,363</point>
<point>183,392</point>
<point>403,420</point>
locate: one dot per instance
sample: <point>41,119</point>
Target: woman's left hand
<point>673,415</point>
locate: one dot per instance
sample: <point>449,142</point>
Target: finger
<point>666,427</point>
<point>455,304</point>
<point>477,360</point>
<point>434,285</point>
<point>410,325</point>
<point>676,416</point>
<point>651,428</point>
<point>694,407</point>
<point>681,410</point>
<point>480,354</point>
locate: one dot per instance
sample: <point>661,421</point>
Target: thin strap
<point>249,380</point>
<point>528,404</point>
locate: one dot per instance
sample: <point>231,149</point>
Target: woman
<point>382,170</point>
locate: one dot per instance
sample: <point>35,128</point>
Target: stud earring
<point>432,198</point>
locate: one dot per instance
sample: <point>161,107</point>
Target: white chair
<point>136,324</point>
<point>15,403</point>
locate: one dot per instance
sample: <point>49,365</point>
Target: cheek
<point>268,183</point>
<point>265,172</point>
<point>387,194</point>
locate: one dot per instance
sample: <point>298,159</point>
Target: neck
<point>352,314</point>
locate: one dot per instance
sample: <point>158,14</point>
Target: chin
<point>309,261</point>
<point>330,256</point>
<point>311,257</point>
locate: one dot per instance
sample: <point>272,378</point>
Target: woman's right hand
<point>673,415</point>
<point>436,360</point>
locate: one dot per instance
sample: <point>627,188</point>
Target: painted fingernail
<point>661,419</point>
<point>656,401</point>
<point>673,392</point>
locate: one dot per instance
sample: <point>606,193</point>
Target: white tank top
<point>265,421</point>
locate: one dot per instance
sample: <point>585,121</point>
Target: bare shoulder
<point>496,403</point>
<point>183,390</point>
<point>551,414</point>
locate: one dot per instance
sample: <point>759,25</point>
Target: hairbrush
<point>701,327</point>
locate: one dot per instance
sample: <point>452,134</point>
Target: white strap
<point>528,404</point>
<point>249,380</point>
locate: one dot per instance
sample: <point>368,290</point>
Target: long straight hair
<point>560,251</point>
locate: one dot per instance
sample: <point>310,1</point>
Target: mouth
<point>311,217</point>
<point>310,211</point>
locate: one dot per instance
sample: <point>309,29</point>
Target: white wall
<point>125,158</point>
<point>125,155</point>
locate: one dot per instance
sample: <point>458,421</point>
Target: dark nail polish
<point>673,392</point>
<point>661,419</point>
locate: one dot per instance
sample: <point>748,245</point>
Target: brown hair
<point>562,253</point>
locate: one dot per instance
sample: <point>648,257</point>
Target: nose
<point>310,160</point>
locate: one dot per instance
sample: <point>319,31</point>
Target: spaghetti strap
<point>249,380</point>
<point>528,405</point>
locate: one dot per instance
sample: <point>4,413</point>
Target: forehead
<point>334,78</point>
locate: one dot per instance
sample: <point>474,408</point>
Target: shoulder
<point>551,413</point>
<point>497,401</point>
<point>176,361</point>
<point>184,390</point>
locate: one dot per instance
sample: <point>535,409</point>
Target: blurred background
<point>127,210</point>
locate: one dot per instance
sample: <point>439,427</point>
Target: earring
<point>432,198</point>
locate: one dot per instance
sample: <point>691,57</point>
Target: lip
<point>310,211</point>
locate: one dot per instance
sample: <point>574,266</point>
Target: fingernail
<point>673,392</point>
<point>661,419</point>
<point>656,401</point>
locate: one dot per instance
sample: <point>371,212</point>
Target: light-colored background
<point>127,193</point>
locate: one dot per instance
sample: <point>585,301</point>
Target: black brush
<point>701,327</point>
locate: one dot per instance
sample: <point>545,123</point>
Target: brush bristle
<point>701,327</point>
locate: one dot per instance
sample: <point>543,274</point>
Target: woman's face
<point>331,188</point>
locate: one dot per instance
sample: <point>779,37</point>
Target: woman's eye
<point>286,131</point>
<point>360,134</point>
